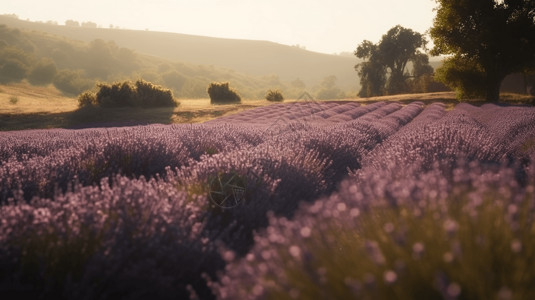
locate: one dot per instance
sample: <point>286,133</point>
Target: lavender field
<point>306,200</point>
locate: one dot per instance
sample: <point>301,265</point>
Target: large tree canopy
<point>384,65</point>
<point>486,41</point>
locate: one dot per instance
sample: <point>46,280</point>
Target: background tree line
<point>483,42</point>
<point>74,67</point>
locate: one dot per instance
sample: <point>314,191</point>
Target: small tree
<point>274,96</point>
<point>221,93</point>
<point>328,89</point>
<point>390,56</point>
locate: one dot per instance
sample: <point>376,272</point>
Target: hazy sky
<point>329,26</point>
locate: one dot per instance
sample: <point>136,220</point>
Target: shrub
<point>87,98</point>
<point>121,94</point>
<point>274,95</point>
<point>221,93</point>
<point>151,95</point>
<point>118,94</point>
<point>13,100</point>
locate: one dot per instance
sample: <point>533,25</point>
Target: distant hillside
<point>258,58</point>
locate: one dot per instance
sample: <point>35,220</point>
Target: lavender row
<point>467,236</point>
<point>512,125</point>
<point>433,193</point>
<point>131,239</point>
<point>38,164</point>
<point>273,167</point>
<point>299,111</point>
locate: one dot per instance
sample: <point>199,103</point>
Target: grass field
<point>23,106</point>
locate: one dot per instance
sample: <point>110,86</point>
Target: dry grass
<point>200,110</point>
<point>447,98</point>
<point>46,107</point>
<point>34,99</point>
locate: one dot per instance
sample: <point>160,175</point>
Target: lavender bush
<point>467,239</point>
<point>131,239</point>
<point>294,200</point>
<point>442,208</point>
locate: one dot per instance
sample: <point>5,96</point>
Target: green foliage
<point>103,60</point>
<point>43,72</point>
<point>174,80</point>
<point>496,38</point>
<point>372,78</point>
<point>14,64</point>
<point>13,100</point>
<point>274,96</point>
<point>87,98</point>
<point>397,47</point>
<point>118,94</point>
<point>384,68</point>
<point>194,88</point>
<point>72,82</point>
<point>12,71</point>
<point>151,95</point>
<point>221,93</point>
<point>463,76</point>
<point>125,94</point>
<point>328,89</point>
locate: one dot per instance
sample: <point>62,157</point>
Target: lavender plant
<point>131,239</point>
<point>471,238</point>
<point>333,200</point>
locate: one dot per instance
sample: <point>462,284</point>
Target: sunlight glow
<point>323,26</point>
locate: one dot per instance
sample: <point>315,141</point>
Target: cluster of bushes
<point>128,94</point>
<point>221,93</point>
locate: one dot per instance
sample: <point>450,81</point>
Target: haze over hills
<point>258,58</point>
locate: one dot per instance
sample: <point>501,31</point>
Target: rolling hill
<point>257,58</point>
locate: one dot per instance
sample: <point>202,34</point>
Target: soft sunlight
<point>323,26</point>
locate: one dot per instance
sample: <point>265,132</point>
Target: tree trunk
<point>493,88</point>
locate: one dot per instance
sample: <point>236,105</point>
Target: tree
<point>328,89</point>
<point>384,67</point>
<point>43,72</point>
<point>372,72</point>
<point>72,23</point>
<point>486,41</point>
<point>423,76</point>
<point>14,64</point>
